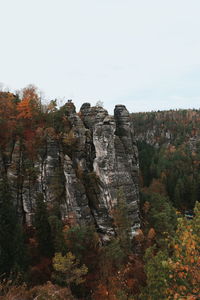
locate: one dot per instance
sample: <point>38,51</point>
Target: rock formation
<point>82,171</point>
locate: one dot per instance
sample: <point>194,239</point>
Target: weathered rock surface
<point>116,164</point>
<point>82,171</point>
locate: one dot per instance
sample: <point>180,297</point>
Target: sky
<point>144,54</point>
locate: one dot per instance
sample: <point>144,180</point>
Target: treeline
<point>176,126</point>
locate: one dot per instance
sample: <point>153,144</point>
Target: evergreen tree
<point>122,222</point>
<point>178,193</point>
<point>68,270</point>
<point>12,247</point>
<point>42,226</point>
<point>157,271</point>
<point>57,234</point>
<point>162,217</point>
<point>83,242</point>
<point>112,258</point>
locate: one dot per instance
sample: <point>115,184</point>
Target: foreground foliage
<point>174,273</point>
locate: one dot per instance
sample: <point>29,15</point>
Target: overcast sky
<point>141,53</point>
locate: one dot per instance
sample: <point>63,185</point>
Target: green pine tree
<point>57,234</point>
<point>162,217</point>
<point>122,222</point>
<point>42,226</point>
<point>157,271</point>
<point>12,246</point>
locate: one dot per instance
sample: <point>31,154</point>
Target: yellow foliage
<point>67,269</point>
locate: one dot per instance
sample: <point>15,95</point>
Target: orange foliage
<point>41,272</point>
<point>139,237</point>
<point>123,283</point>
<point>24,109</point>
<point>185,266</point>
<point>29,104</point>
<point>31,142</point>
<point>151,234</point>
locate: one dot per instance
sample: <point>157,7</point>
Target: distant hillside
<point>169,154</point>
<point>173,126</point>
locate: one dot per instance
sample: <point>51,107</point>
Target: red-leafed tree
<point>28,118</point>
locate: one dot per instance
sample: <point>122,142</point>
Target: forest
<point>48,256</point>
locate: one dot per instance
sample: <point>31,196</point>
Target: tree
<point>162,217</point>
<point>67,269</point>
<point>83,242</point>
<point>7,118</point>
<point>146,158</point>
<point>112,257</point>
<point>57,234</point>
<point>30,103</point>
<point>173,273</point>
<point>122,222</point>
<point>12,247</point>
<point>157,271</point>
<point>42,226</point>
<point>184,265</point>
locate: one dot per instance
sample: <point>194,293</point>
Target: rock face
<point>83,171</point>
<point>116,165</point>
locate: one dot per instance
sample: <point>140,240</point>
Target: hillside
<point>93,206</point>
<point>169,154</point>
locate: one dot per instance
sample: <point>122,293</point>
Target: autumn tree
<point>185,262</point>
<point>173,273</point>
<point>68,270</point>
<point>30,103</point>
<point>29,119</point>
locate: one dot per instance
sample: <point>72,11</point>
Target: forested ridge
<point>169,149</point>
<point>49,255</point>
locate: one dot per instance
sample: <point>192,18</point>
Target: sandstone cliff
<point>82,170</point>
